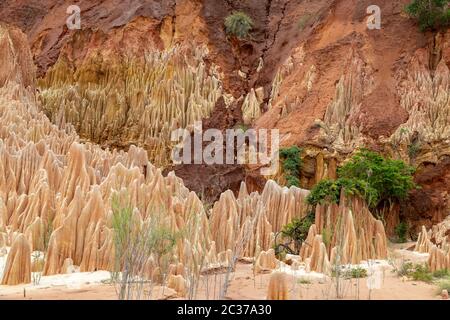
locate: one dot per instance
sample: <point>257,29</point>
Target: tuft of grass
<point>401,230</point>
<point>405,269</point>
<point>444,285</point>
<point>304,281</point>
<point>238,24</point>
<point>355,273</point>
<point>413,149</point>
<point>422,273</point>
<point>439,274</point>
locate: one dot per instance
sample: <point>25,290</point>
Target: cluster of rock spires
<point>125,101</point>
<point>55,197</point>
<point>436,242</point>
<point>424,95</point>
<point>343,234</point>
<point>341,126</point>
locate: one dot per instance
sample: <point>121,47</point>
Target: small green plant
<point>417,272</point>
<point>238,24</point>
<point>134,243</point>
<point>443,273</point>
<point>444,285</point>
<point>401,231</point>
<point>291,163</point>
<point>326,236</point>
<point>422,273</point>
<point>303,281</point>
<point>355,273</point>
<point>413,149</point>
<point>430,14</point>
<point>405,270</point>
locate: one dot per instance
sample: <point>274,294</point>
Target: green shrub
<point>291,162</point>
<point>392,179</point>
<point>297,229</point>
<point>413,149</point>
<point>328,191</point>
<point>355,273</point>
<point>441,273</point>
<point>370,176</point>
<point>326,236</point>
<point>238,24</point>
<point>418,272</point>
<point>401,230</point>
<point>430,14</point>
<point>422,273</point>
<point>444,285</point>
<point>304,281</point>
<point>406,269</point>
<point>295,233</point>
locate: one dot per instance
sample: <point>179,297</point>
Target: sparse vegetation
<point>444,285</point>
<point>441,273</point>
<point>405,269</point>
<point>238,24</point>
<point>413,149</point>
<point>401,231</point>
<point>304,281</point>
<point>294,234</point>
<point>416,272</point>
<point>40,256</point>
<point>422,273</point>
<point>430,14</point>
<point>291,162</point>
<point>355,273</point>
<point>134,244</point>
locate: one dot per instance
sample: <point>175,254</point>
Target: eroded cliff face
<point>51,183</point>
<point>312,69</point>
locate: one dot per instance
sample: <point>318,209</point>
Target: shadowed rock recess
<point>86,123</point>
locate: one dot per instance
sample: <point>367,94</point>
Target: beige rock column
<point>18,263</point>
<point>278,287</point>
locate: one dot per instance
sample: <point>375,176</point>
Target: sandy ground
<point>245,285</point>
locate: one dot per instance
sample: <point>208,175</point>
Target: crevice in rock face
<point>435,53</point>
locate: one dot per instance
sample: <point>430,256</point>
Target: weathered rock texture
<point>312,69</point>
<point>18,265</point>
<point>53,184</point>
<point>343,234</point>
<point>118,103</point>
<point>436,242</point>
<point>278,287</point>
<point>267,213</point>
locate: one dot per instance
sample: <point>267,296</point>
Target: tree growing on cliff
<point>238,24</point>
<point>377,179</point>
<point>430,14</point>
